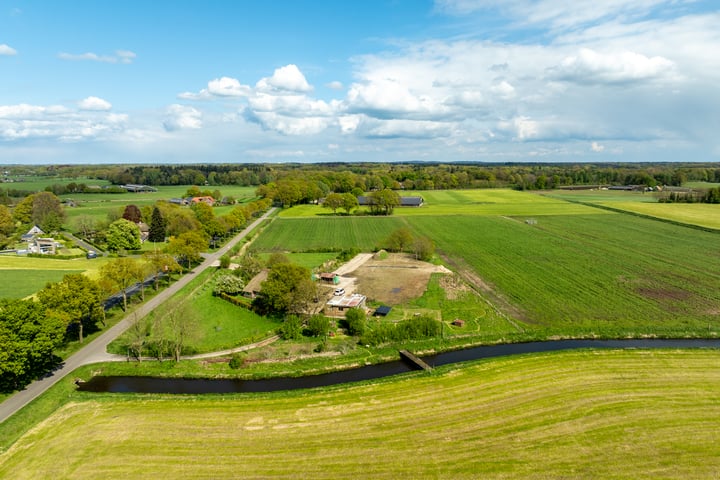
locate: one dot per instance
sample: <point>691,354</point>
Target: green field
<point>585,414</point>
<point>599,273</point>
<point>23,276</point>
<point>466,202</point>
<point>326,233</point>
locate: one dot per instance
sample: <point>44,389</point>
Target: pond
<point>128,384</point>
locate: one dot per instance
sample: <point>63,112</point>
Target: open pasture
<point>466,202</point>
<point>23,276</point>
<point>584,414</point>
<point>326,233</point>
<point>599,273</point>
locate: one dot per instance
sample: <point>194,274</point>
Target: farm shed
<point>253,287</point>
<point>337,305</point>
<point>382,311</point>
<point>333,278</point>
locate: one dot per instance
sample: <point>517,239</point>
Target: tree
<point>162,264</point>
<point>158,226</point>
<point>122,235</point>
<point>47,211</point>
<point>349,202</point>
<point>132,213</point>
<point>77,299</point>
<point>284,290</point>
<point>384,201</point>
<point>137,336</point>
<point>122,273</point>
<point>188,246</point>
<point>7,226</point>
<point>400,239</point>
<point>424,248</point>
<point>318,326</point>
<point>180,326</point>
<point>28,338</point>
<point>228,284</point>
<point>22,213</point>
<point>291,328</point>
<point>355,321</point>
<point>333,201</point>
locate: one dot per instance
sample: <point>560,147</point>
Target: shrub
<point>318,326</point>
<point>237,360</point>
<point>291,328</point>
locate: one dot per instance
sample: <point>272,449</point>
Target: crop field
<point>584,414</point>
<point>326,233</point>
<point>598,273</point>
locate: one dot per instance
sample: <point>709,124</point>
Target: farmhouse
<point>336,306</point>
<point>32,233</point>
<point>208,200</point>
<point>252,289</point>
<point>46,246</point>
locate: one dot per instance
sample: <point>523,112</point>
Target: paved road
<point>96,351</point>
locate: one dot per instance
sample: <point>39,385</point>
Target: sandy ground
<point>394,280</point>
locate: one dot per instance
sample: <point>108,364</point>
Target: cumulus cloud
<point>589,66</point>
<point>7,50</point>
<point>288,78</point>
<point>120,56</point>
<point>95,104</point>
<point>596,147</point>
<point>335,85</point>
<point>182,117</point>
<point>57,122</point>
<point>228,87</point>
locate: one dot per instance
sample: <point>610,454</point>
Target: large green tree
<point>42,209</point>
<point>384,201</point>
<point>122,235</point>
<point>188,246</point>
<point>158,226</point>
<point>333,201</point>
<point>288,289</point>
<point>77,299</point>
<point>28,337</point>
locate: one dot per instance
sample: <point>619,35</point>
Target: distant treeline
<point>345,177</point>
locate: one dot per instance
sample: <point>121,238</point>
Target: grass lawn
<point>221,325</point>
<point>23,276</point>
<point>583,414</point>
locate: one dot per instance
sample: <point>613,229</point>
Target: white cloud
<point>228,87</point>
<point>182,117</point>
<point>95,104</point>
<point>288,78</point>
<point>589,66</point>
<point>121,56</point>
<point>7,50</point>
<point>596,147</point>
<point>335,85</point>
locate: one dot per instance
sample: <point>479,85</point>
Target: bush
<point>318,326</point>
<point>291,328</point>
<point>355,322</point>
<point>412,329</point>
<point>225,261</point>
<point>237,360</point>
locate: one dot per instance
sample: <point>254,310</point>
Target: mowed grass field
<point>586,414</point>
<point>464,202</point>
<point>23,276</point>
<point>701,214</point>
<point>597,273</point>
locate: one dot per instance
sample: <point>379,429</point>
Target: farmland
<point>23,276</point>
<point>582,414</point>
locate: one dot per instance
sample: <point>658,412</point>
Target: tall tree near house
<point>286,290</point>
<point>77,299</point>
<point>158,226</point>
<point>122,273</point>
<point>384,201</point>
<point>349,202</point>
<point>122,235</point>
<point>48,212</point>
<point>132,213</point>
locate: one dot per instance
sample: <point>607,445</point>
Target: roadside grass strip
<point>584,414</point>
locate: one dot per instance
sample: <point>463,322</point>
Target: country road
<point>96,351</point>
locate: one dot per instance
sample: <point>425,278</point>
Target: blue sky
<point>379,80</point>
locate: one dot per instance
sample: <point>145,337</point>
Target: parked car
<point>339,291</point>
<point>91,254</point>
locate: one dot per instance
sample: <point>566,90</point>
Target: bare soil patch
<point>394,280</point>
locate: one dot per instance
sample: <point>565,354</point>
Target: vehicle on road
<point>339,291</point>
